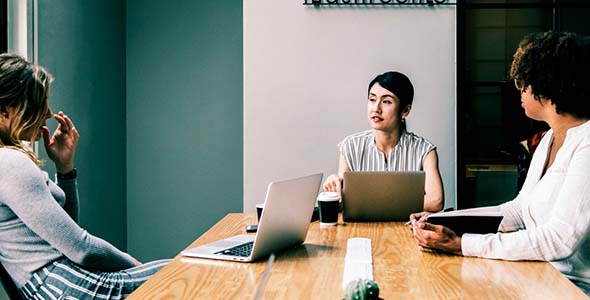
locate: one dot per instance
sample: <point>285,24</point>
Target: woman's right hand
<point>417,217</point>
<point>420,216</point>
<point>333,184</point>
<point>136,261</point>
<point>61,146</point>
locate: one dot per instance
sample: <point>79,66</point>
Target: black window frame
<point>3,26</point>
<point>463,192</point>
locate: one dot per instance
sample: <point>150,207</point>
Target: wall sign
<point>376,2</point>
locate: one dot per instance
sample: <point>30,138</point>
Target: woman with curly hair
<point>44,250</point>
<point>549,218</point>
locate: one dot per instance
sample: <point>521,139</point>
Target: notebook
<point>480,221</point>
<point>382,196</point>
<point>288,207</point>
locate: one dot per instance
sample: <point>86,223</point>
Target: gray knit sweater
<point>38,223</point>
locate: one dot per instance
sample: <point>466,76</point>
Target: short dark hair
<point>556,66</point>
<point>397,83</point>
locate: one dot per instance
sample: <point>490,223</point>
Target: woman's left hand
<point>437,237</point>
<point>61,147</point>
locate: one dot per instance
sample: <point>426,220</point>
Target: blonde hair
<point>24,88</point>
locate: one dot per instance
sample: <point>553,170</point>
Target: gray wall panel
<point>184,121</point>
<point>83,44</point>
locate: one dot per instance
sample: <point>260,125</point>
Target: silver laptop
<point>284,222</point>
<point>382,196</point>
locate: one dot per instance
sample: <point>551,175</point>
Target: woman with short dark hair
<point>388,146</point>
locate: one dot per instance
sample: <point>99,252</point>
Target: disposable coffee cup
<point>259,208</point>
<point>328,203</point>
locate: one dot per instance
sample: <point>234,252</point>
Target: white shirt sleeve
<point>553,238</point>
<point>512,213</point>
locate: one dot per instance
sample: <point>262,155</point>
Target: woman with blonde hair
<point>45,252</point>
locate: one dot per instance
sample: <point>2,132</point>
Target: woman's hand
<point>419,217</point>
<point>61,147</point>
<point>437,237</point>
<point>136,261</point>
<point>333,184</point>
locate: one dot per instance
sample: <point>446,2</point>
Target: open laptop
<point>284,222</point>
<point>382,196</point>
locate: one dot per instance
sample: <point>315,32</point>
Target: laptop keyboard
<point>243,250</point>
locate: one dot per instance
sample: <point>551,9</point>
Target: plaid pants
<point>64,280</point>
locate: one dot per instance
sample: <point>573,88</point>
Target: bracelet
<point>69,175</point>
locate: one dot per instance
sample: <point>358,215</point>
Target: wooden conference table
<point>314,270</point>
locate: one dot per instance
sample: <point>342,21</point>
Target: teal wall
<point>83,44</point>
<point>158,103</point>
<point>184,121</point>
<point>155,90</point>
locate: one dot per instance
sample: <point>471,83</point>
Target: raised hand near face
<point>61,147</point>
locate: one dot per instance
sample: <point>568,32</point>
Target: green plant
<point>361,289</point>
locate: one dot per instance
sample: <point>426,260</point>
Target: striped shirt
<point>362,154</point>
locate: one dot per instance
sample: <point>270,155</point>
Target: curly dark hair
<point>556,65</point>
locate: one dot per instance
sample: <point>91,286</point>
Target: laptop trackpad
<point>220,245</point>
<point>232,241</point>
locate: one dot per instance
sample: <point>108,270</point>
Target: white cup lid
<point>328,196</point>
<point>260,205</point>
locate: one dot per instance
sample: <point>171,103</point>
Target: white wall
<point>306,72</point>
<point>17,27</point>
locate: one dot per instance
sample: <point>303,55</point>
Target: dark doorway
<point>492,130</point>
<point>3,26</point>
